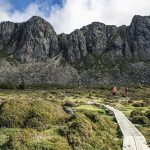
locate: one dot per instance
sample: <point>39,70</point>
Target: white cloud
<point>7,12</point>
<point>77,13</point>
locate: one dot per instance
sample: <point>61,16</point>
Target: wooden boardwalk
<point>132,138</point>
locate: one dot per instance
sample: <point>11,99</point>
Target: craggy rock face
<point>96,37</point>
<point>32,40</point>
<point>95,54</point>
<point>139,32</point>
<point>73,46</point>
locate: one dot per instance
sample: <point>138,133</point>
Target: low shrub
<point>135,113</point>
<point>140,120</point>
<point>139,104</point>
<point>13,113</point>
<point>29,139</point>
<point>147,114</point>
<point>37,114</point>
<point>69,104</point>
<point>89,130</point>
<point>7,85</point>
<point>21,86</point>
<point>92,116</point>
<point>138,117</point>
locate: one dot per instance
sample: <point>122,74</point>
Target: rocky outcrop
<point>73,46</point>
<point>34,40</point>
<point>96,39</point>
<point>6,31</point>
<point>139,33</point>
<point>32,52</point>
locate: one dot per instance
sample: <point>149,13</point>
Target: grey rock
<point>31,52</point>
<point>34,40</point>
<point>95,35</point>
<point>73,46</point>
<point>6,31</point>
<point>69,110</point>
<point>139,32</point>
<point>48,72</point>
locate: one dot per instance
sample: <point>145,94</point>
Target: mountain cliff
<point>32,52</point>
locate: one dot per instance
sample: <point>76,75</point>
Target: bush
<point>8,85</point>
<point>89,130</point>
<point>13,113</point>
<point>147,114</point>
<point>43,115</point>
<point>147,101</point>
<point>69,104</point>
<point>135,113</point>
<point>92,116</point>
<point>79,130</point>
<point>139,117</point>
<point>29,139</point>
<point>139,104</point>
<point>37,114</point>
<point>21,86</point>
<point>140,120</point>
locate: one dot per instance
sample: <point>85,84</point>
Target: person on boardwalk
<point>114,91</point>
<point>126,89</point>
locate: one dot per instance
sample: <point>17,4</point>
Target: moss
<point>37,114</point>
<point>35,119</point>
<point>145,131</point>
<point>90,131</point>
<point>13,113</point>
<point>24,139</point>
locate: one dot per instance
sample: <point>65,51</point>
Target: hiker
<point>126,89</point>
<point>114,91</point>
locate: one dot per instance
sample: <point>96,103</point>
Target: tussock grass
<point>35,120</point>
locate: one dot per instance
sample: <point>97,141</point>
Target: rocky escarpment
<point>73,46</point>
<point>32,52</point>
<point>32,40</point>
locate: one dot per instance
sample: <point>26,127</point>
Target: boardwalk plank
<point>132,138</point>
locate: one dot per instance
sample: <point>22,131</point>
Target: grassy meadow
<point>69,118</point>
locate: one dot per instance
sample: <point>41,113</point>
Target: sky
<point>68,15</point>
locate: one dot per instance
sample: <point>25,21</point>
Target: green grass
<point>38,114</point>
<point>35,120</point>
<point>146,132</point>
<point>13,138</point>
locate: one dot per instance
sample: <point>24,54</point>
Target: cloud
<point>77,13</point>
<point>8,12</point>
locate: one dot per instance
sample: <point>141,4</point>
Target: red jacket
<point>114,89</point>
